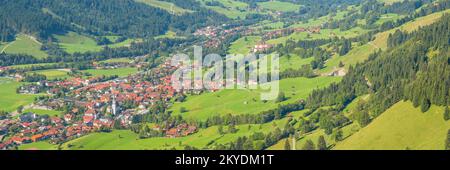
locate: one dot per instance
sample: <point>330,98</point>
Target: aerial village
<point>100,103</point>
<point>92,105</point>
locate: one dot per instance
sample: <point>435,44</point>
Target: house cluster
<point>284,32</point>
<point>55,87</point>
<point>209,31</point>
<point>261,46</point>
<point>181,130</point>
<point>2,69</point>
<point>30,127</point>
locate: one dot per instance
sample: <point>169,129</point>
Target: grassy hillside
<point>10,100</point>
<point>24,44</point>
<point>361,53</point>
<point>169,7</point>
<point>247,101</point>
<point>279,6</point>
<point>243,45</point>
<point>401,126</point>
<point>73,42</point>
<point>233,9</point>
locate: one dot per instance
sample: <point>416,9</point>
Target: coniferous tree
<point>447,141</point>
<point>425,105</point>
<point>447,114</point>
<point>321,143</point>
<point>309,145</point>
<point>287,145</point>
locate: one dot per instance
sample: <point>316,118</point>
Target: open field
<point>53,73</point>
<point>73,42</point>
<point>279,6</point>
<point>400,127</point>
<point>243,46</point>
<point>169,7</point>
<point>24,44</point>
<point>234,101</point>
<point>43,112</point>
<point>233,9</point>
<point>121,72</point>
<point>31,65</point>
<point>117,60</point>
<point>10,100</point>
<point>42,145</point>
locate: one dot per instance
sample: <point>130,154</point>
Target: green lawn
<point>53,73</point>
<point>121,72</point>
<point>44,112</point>
<point>235,101</point>
<point>42,145</point>
<point>10,100</point>
<point>279,6</point>
<point>241,46</point>
<point>401,126</point>
<point>293,62</point>
<point>24,44</point>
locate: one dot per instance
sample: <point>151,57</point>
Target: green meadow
<point>44,112</point>
<point>73,42</point>
<point>116,60</point>
<point>24,44</point>
<point>10,100</point>
<point>53,73</point>
<point>279,6</point>
<point>244,45</point>
<point>236,101</point>
<point>233,9</point>
<point>121,72</point>
<point>169,7</point>
<point>401,127</point>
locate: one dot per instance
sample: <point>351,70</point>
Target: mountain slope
<point>401,126</point>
